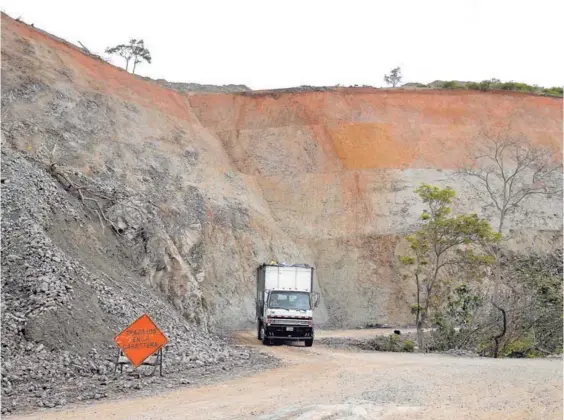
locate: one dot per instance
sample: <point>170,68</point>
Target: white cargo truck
<point>285,302</point>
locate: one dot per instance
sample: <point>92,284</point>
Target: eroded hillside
<point>204,187</point>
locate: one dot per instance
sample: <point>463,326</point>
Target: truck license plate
<point>289,328</point>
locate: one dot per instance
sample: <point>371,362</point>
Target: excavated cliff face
<point>338,170</point>
<point>205,187</point>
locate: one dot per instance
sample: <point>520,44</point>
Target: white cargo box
<point>271,277</point>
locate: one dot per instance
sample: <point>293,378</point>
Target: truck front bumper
<point>289,332</point>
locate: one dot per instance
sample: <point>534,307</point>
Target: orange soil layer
<point>388,129</point>
<point>355,128</point>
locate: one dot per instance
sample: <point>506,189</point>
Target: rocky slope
<point>226,181</point>
<point>121,196</point>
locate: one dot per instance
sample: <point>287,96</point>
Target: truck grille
<point>288,321</point>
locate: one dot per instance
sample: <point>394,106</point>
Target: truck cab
<point>285,303</point>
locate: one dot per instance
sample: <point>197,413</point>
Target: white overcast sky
<point>274,44</point>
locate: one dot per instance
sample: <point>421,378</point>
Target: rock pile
<point>59,314</point>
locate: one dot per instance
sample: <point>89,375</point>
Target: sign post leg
<point>117,361</point>
<point>161,362</point>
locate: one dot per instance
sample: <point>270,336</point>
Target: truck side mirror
<point>314,299</point>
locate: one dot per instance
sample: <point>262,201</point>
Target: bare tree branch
<point>509,168</point>
<point>70,186</point>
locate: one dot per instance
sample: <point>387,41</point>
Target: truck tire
<point>309,343</point>
<point>262,336</point>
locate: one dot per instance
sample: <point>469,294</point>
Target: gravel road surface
<point>324,383</point>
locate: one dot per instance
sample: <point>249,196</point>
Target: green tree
<point>444,241</point>
<point>135,51</point>
<point>394,78</point>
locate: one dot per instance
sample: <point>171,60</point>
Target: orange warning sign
<point>140,340</point>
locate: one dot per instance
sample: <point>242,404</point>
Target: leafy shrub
<point>522,347</point>
<point>394,343</point>
<point>554,91</point>
<point>520,87</point>
<point>408,346</point>
<point>452,84</point>
<point>454,322</point>
<point>531,295</point>
<point>485,85</point>
<point>495,84</point>
<point>473,86</point>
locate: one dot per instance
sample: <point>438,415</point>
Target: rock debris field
<point>45,288</point>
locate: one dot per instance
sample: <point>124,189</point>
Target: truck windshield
<point>289,300</point>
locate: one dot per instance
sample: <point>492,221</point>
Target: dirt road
<point>322,383</point>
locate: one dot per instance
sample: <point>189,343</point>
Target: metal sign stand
<point>141,343</point>
<point>158,361</point>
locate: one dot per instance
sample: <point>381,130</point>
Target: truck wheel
<point>309,343</point>
<point>262,336</point>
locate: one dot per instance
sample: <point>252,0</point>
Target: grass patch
<point>494,84</point>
